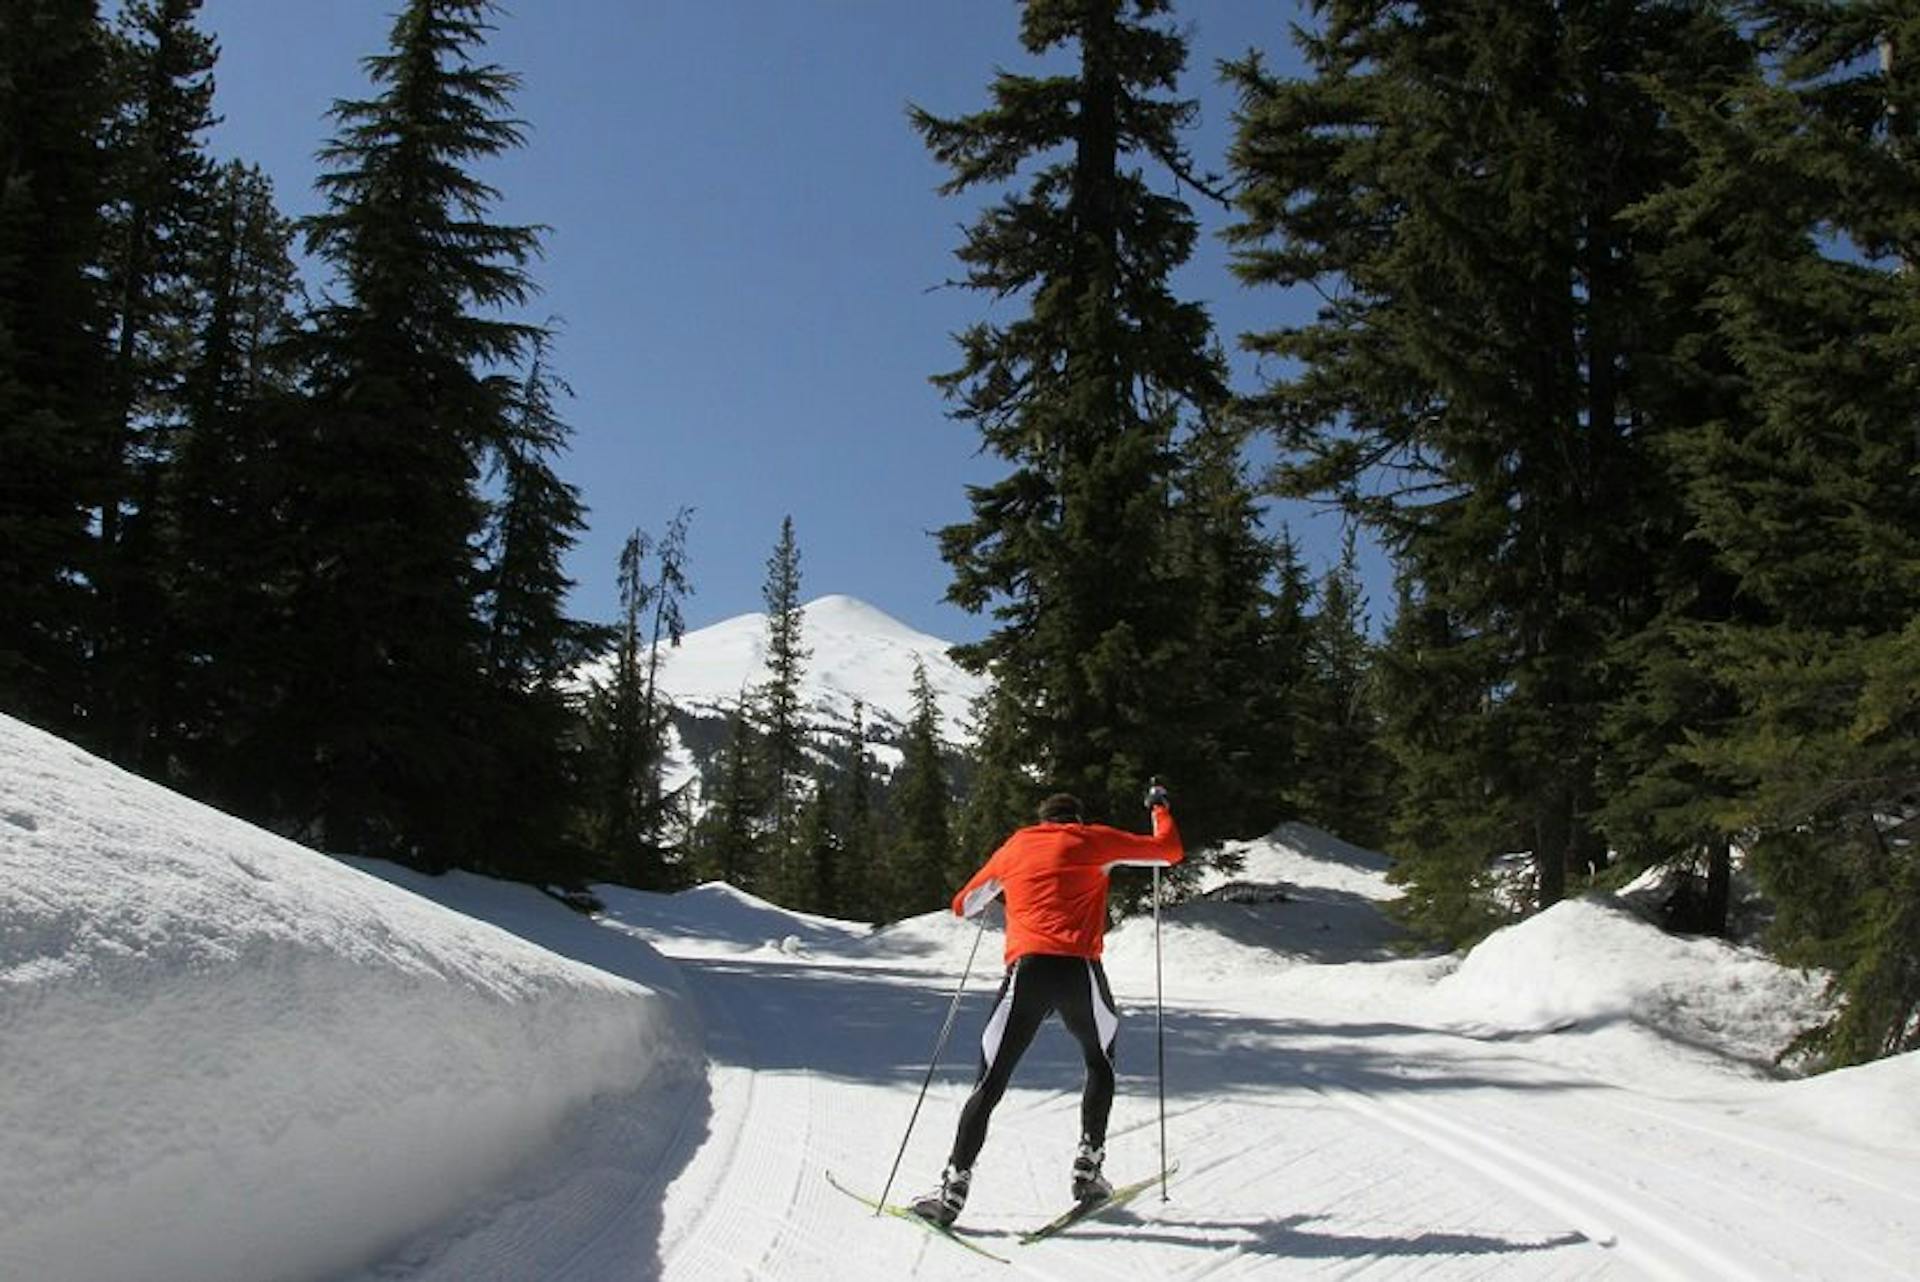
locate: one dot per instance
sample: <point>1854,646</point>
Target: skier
<point>1054,877</point>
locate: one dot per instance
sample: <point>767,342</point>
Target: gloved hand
<point>1157,795</point>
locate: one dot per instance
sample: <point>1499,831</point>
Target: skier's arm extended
<point>980,891</point>
<point>1129,849</point>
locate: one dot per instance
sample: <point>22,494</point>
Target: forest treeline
<point>1611,349</point>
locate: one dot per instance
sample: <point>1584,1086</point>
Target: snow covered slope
<point>857,652</point>
<point>1337,1110</point>
<point>225,1056</point>
<point>229,1045</point>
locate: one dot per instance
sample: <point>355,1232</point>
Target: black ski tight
<point>1036,986</point>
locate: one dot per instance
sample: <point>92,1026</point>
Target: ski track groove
<point>701,1243</point>
<point>613,1218</point>
<point>1679,1256</point>
<point>1374,1183</point>
<point>1764,1221</point>
<point>700,1247</point>
<point>1731,1135</point>
<point>771,1141</point>
<point>1350,1180</point>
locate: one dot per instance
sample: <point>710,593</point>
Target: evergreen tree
<point>1003,795</point>
<point>621,726</point>
<point>532,647</point>
<point>251,289</point>
<point>54,101</point>
<point>1457,805</point>
<point>668,627</point>
<point>389,749</point>
<point>729,841</point>
<point>229,561</point>
<point>783,726</point>
<point>1231,754</point>
<point>865,872</point>
<point>163,197</point>
<point>1653,803</point>
<point>1659,804</point>
<point>923,808</point>
<point>1803,491</point>
<point>1344,785</point>
<point>1485,384</point>
<point>821,848</point>
<point>530,641</point>
<point>1083,396</point>
<point>628,720</point>
<point>1289,655</point>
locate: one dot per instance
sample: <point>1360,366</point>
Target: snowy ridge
<point>857,652</point>
<point>722,918</point>
<point>229,1057</point>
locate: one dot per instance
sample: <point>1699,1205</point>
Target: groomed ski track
<point>1314,1143</point>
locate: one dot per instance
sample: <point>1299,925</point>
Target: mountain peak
<point>856,651</point>
<point>839,613</point>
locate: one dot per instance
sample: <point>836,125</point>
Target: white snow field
<point>223,1056</point>
<point>210,1072</point>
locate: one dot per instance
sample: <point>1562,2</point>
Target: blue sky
<point>745,258</point>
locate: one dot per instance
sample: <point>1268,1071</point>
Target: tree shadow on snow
<point>1706,1048</point>
<point>1315,923</point>
<point>878,1026</point>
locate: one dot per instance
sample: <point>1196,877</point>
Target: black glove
<point>1157,796</point>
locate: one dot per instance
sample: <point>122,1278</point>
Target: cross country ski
<point>907,1213</point>
<point>1086,1210</point>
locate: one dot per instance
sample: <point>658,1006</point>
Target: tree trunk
<point>1553,830</point>
<point>1713,913</point>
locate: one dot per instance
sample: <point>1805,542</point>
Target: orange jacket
<point>1055,879</point>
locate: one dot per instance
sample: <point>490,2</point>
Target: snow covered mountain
<point>857,652</point>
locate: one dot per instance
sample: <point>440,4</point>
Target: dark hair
<point>1060,808</point>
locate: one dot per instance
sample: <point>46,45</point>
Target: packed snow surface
<point>225,1056</point>
<point>1582,1096</point>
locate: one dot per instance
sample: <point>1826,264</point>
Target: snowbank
<point>1874,1104</point>
<point>717,919</point>
<point>942,940</point>
<point>1592,963</point>
<point>1297,853</point>
<point>226,1056</point>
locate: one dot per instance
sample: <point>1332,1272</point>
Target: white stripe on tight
<point>997,1025</point>
<point>1105,1017</point>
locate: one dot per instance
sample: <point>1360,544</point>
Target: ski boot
<point>943,1206</point>
<point>1088,1184</point>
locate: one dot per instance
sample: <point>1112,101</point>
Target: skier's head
<point>1060,808</point>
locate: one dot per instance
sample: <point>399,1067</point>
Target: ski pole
<point>1160,1033</point>
<point>939,1045</point>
